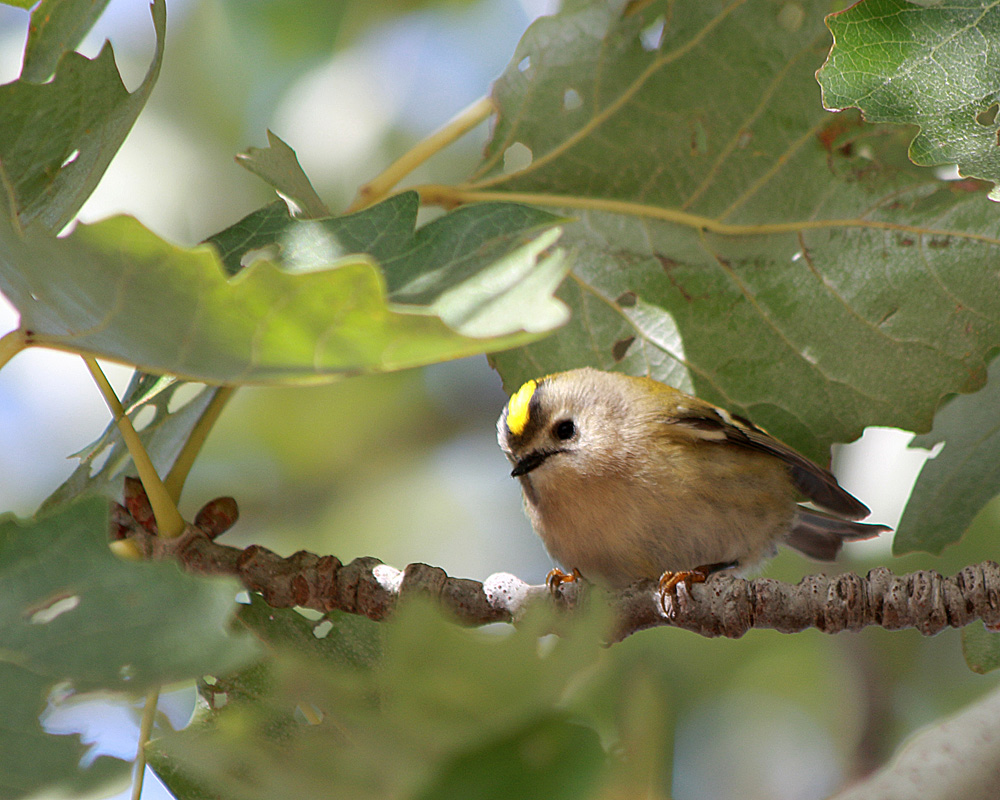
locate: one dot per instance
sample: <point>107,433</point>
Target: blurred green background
<point>405,466</point>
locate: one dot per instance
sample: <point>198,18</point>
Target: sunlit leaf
<point>309,305</point>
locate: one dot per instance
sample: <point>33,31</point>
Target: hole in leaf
<point>183,394</point>
<point>524,64</point>
<point>516,157</point>
<point>143,417</point>
<point>988,116</point>
<point>321,629</point>
<point>572,100</point>
<point>56,607</point>
<point>621,347</point>
<point>70,159</point>
<point>268,253</point>
<point>100,458</point>
<point>651,36</point>
<point>626,299</point>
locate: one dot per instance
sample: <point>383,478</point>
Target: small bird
<point>626,478</point>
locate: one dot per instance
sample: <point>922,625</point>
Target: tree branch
<point>722,606</point>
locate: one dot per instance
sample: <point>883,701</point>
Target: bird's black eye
<point>564,430</point>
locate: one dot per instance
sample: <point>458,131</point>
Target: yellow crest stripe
<point>517,408</point>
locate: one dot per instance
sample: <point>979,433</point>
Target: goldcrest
<point>626,478</point>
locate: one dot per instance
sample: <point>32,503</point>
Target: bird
<point>626,478</point>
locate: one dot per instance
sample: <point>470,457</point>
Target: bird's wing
<point>816,483</point>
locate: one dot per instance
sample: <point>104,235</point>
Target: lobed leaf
<point>733,237</point>
<point>76,617</point>
<point>57,138</point>
<point>937,67</point>
<point>311,305</point>
<point>57,27</point>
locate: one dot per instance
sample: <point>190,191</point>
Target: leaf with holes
<point>733,237</point>
<point>936,67</point>
<point>440,708</point>
<point>57,138</point>
<point>311,303</point>
<point>175,408</point>
<point>74,615</point>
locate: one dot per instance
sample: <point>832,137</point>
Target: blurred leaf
<point>734,238</point>
<point>57,138</point>
<point>57,26</point>
<point>33,761</point>
<point>346,639</point>
<point>278,165</point>
<point>981,648</point>
<point>115,290</point>
<point>19,3</point>
<point>443,704</point>
<point>72,611</point>
<point>550,758</point>
<point>953,487</point>
<point>937,67</point>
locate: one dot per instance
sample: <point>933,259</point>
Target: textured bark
<point>722,606</point>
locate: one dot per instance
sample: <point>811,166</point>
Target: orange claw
<point>669,581</point>
<point>557,578</point>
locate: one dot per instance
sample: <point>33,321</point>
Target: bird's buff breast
<point>617,530</point>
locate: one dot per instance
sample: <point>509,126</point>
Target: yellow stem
<point>448,196</point>
<point>11,344</point>
<point>145,730</point>
<point>174,481</point>
<point>168,518</point>
<point>458,126</point>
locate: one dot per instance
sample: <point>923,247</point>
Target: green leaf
<point>114,289</point>
<point>981,648</point>
<point>57,27</point>
<point>345,639</point>
<point>71,611</point>
<point>734,238</point>
<point>76,617</point>
<point>550,758</point>
<point>278,165</point>
<point>937,67</point>
<point>442,706</point>
<point>33,761</point>
<point>954,486</point>
<point>57,138</point>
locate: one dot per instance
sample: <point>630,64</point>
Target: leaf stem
<point>456,127</point>
<point>168,518</point>
<point>174,482</point>
<point>11,344</point>
<point>450,196</point>
<point>145,729</point>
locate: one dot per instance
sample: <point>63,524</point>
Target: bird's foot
<point>670,581</point>
<point>557,578</point>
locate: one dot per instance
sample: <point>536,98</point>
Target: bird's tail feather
<point>820,536</point>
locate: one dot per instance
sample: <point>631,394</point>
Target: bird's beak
<point>528,463</point>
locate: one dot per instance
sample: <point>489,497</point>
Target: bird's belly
<point>620,537</point>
